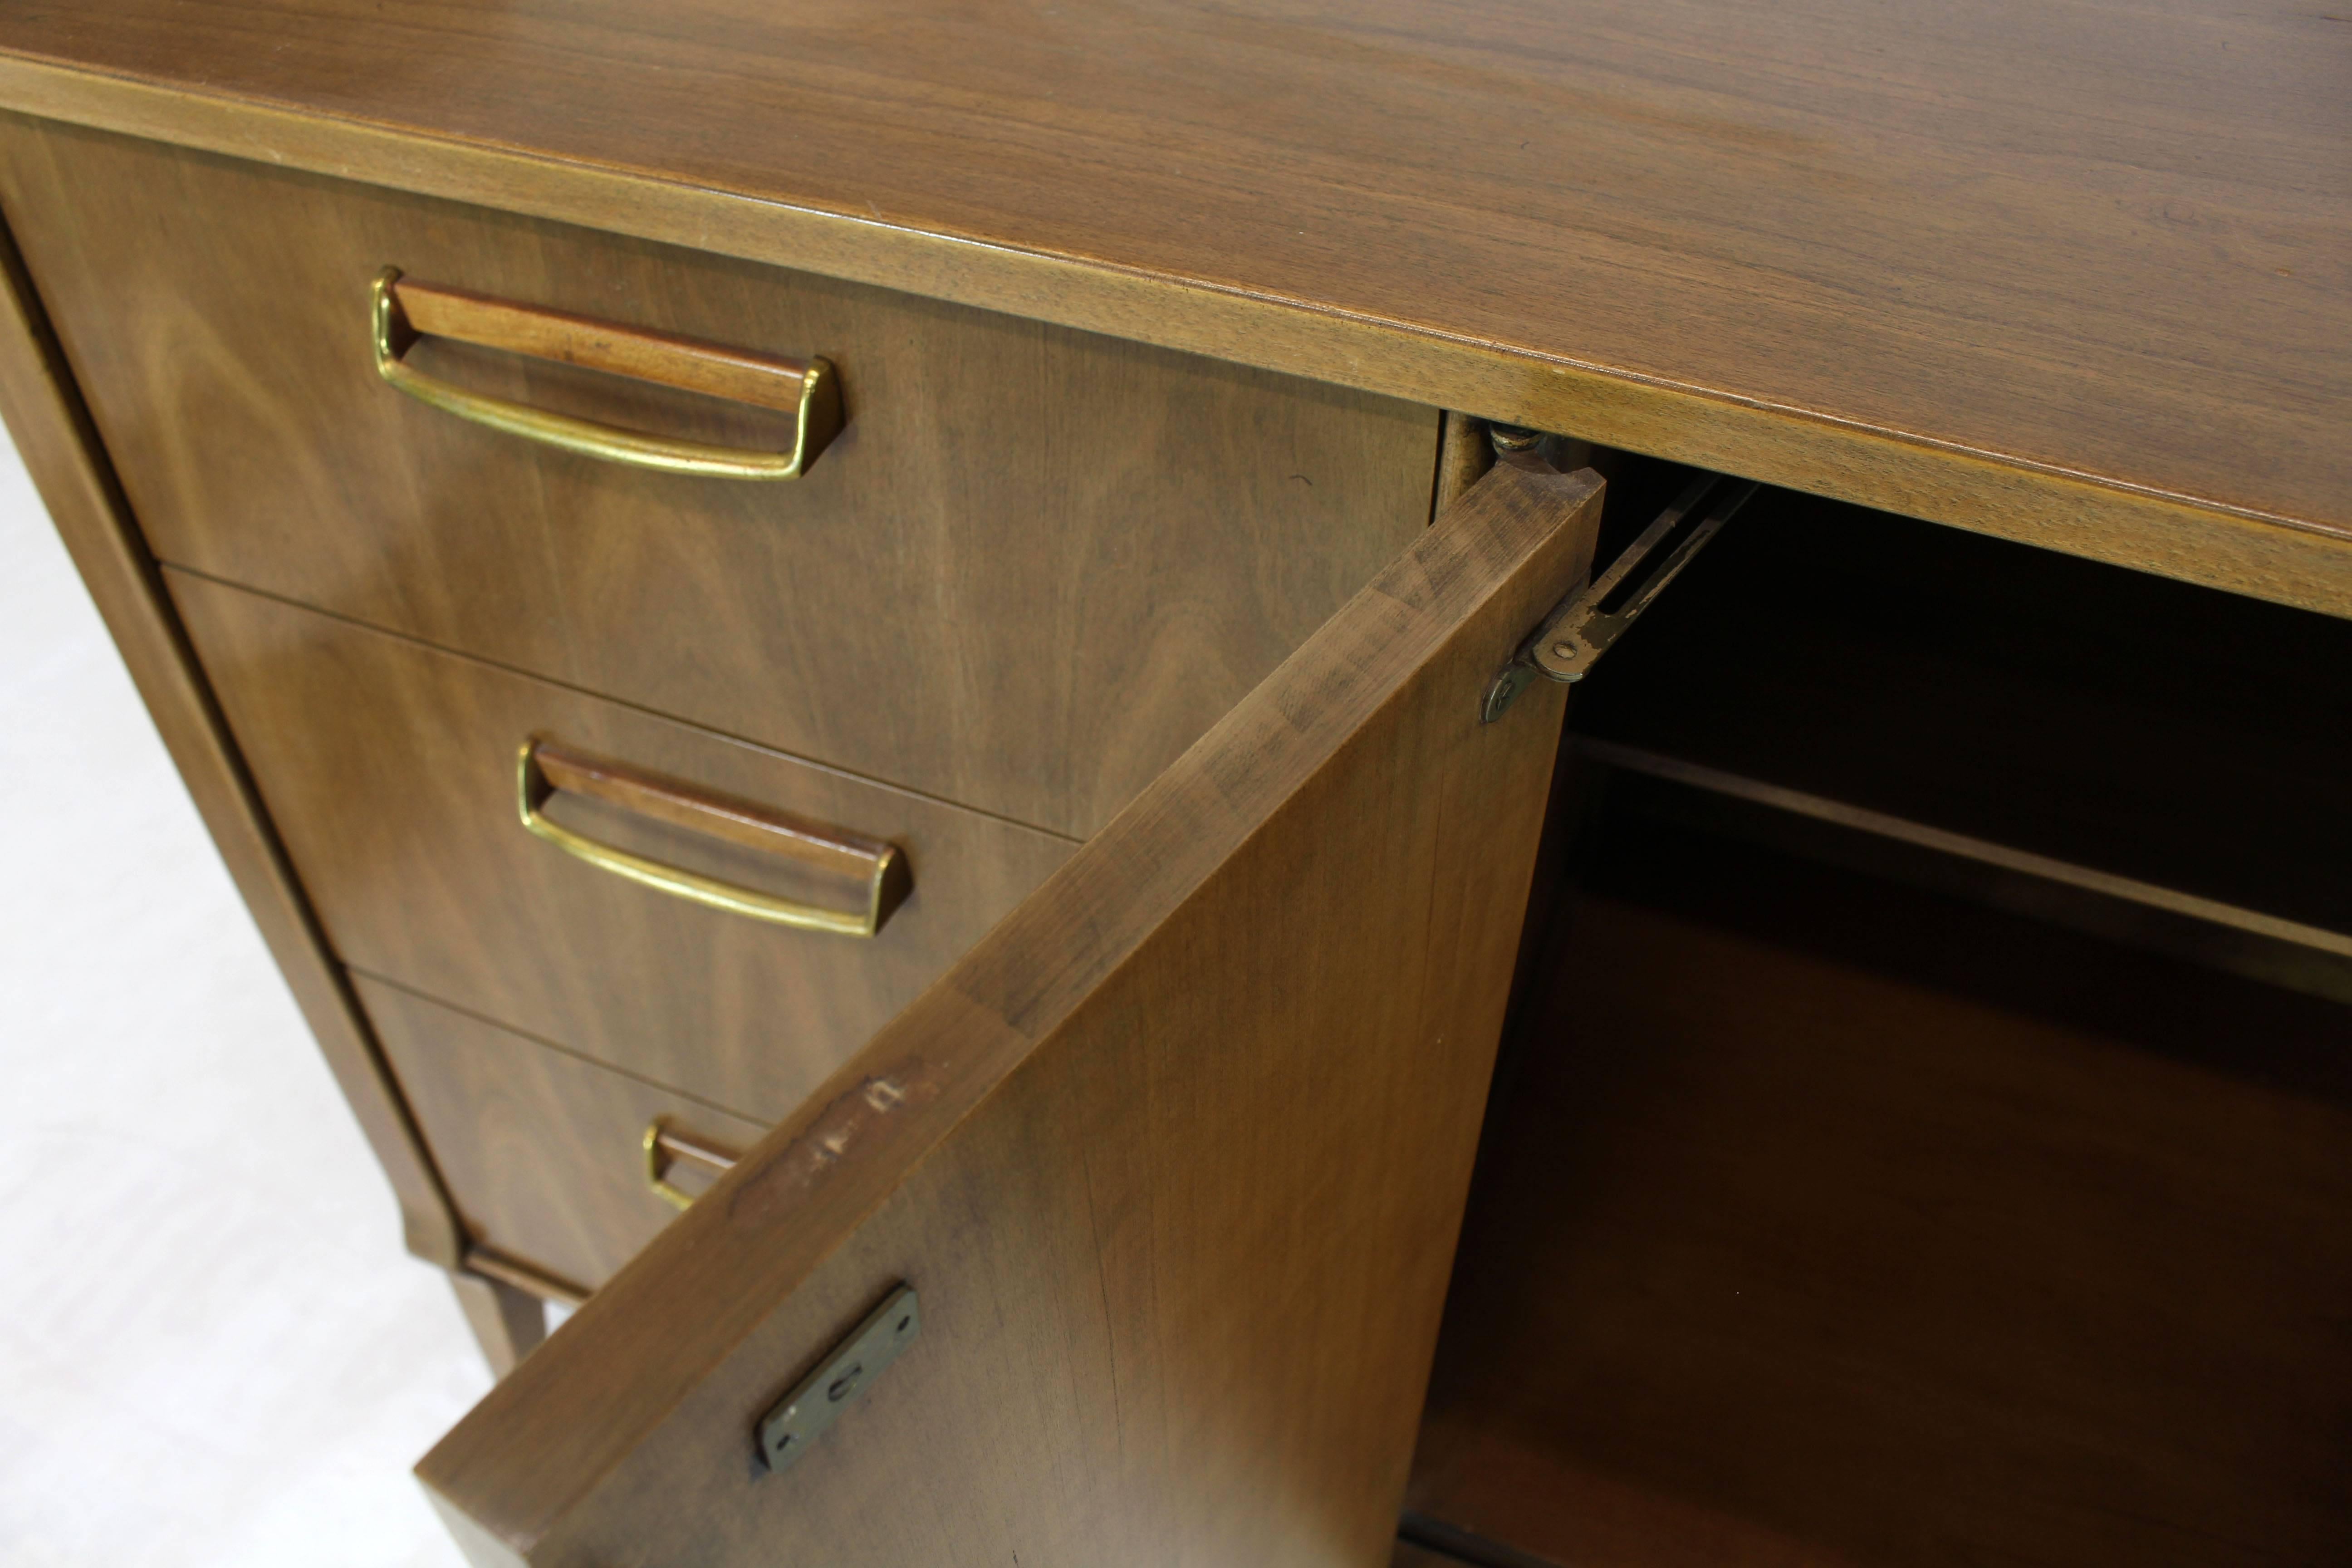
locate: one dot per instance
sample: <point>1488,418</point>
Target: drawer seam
<point>540,1040</point>
<point>834,768</point>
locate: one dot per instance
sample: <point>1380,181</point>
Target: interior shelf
<point>2166,736</point>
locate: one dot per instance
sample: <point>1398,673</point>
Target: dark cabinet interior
<point>1925,1133</point>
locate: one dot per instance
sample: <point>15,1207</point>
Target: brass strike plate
<point>801,1417</point>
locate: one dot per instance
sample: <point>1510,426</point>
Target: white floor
<point>213,1349</point>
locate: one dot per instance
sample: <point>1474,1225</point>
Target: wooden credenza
<point>879,679</point>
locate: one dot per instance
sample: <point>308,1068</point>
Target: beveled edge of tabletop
<point>2286,559</point>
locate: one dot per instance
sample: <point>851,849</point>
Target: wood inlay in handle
<point>547,766</point>
<point>405,310</point>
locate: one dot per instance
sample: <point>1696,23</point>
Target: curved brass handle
<point>808,389</point>
<point>662,1146</point>
<point>543,767</point>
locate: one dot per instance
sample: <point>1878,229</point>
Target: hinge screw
<point>1504,690</point>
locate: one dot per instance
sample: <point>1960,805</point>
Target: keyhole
<point>847,1381</point>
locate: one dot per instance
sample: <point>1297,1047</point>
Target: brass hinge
<point>1583,625</point>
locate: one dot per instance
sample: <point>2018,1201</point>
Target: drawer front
<point>390,768</point>
<point>1034,567</point>
<point>543,1152</point>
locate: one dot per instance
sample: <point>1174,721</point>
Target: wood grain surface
<point>2073,273</point>
<point>715,370</point>
<point>1034,567</point>
<point>543,1150</point>
<point>1407,1555</point>
<point>389,768</point>
<point>1175,1157</point>
<point>1829,1223</point>
<point>69,465</point>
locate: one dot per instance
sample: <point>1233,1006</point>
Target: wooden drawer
<point>390,768</point>
<point>1034,567</point>
<point>543,1151</point>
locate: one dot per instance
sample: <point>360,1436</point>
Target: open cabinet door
<point>1174,1161</point>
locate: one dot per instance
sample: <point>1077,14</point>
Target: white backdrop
<point>213,1349</point>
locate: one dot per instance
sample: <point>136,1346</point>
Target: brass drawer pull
<point>546,766</point>
<point>807,389</point>
<point>662,1146</point>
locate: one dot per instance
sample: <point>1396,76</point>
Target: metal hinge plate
<point>793,1426</point>
<point>1583,625</point>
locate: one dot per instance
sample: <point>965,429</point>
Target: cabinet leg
<point>508,1322</point>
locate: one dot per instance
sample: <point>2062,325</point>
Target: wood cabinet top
<point>2075,274</point>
